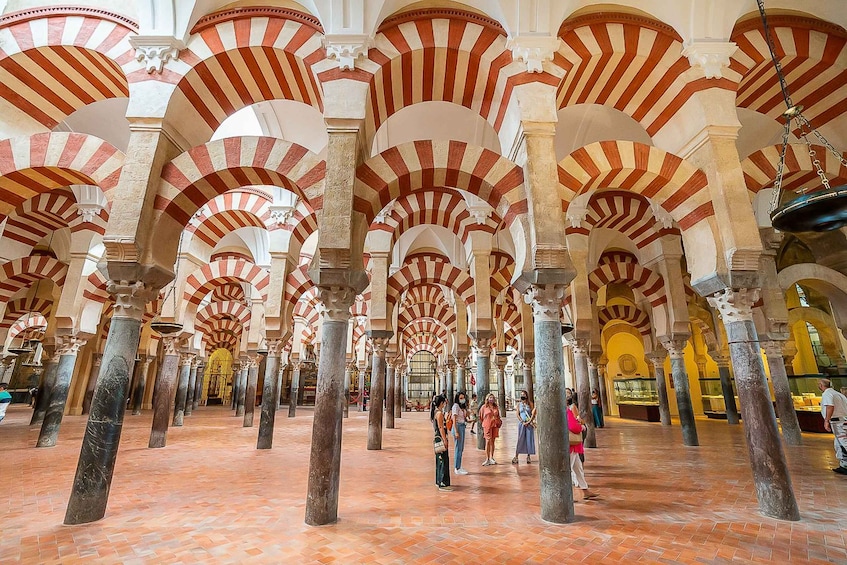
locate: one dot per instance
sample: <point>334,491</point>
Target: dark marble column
<point>198,384</point>
<point>163,393</point>
<point>389,397</point>
<point>767,458</point>
<point>45,387</point>
<point>379,339</point>
<point>140,385</point>
<point>528,361</point>
<point>192,387</point>
<point>500,363</point>
<point>361,398</point>
<point>93,479</point>
<point>583,387</point>
<point>593,372</point>
<point>553,446</point>
<point>784,402</point>
<point>732,416</point>
<point>325,456</point>
<point>483,367</point>
<point>270,394</point>
<point>186,361</point>
<point>250,398</point>
<point>66,351</point>
<point>348,374</point>
<point>450,377</point>
<point>296,364</point>
<point>601,381</point>
<point>242,387</point>
<point>279,389</point>
<point>675,348</point>
<point>398,389</point>
<point>461,377</point>
<point>92,382</point>
<point>657,358</point>
<point>236,376</point>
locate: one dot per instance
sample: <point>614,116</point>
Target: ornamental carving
<point>546,301</point>
<point>131,298</point>
<point>337,301</point>
<point>735,305</point>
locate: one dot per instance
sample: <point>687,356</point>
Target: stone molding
<point>337,301</point>
<point>546,301</point>
<point>735,305</point>
<point>274,347</point>
<point>154,51</point>
<point>580,346</point>
<point>169,345</point>
<point>69,345</point>
<point>773,348</point>
<point>710,56</point>
<point>346,49</point>
<point>675,347</point>
<point>186,359</point>
<point>533,51</point>
<point>131,298</point>
<point>657,358</point>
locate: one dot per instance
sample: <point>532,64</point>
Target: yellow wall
<point>804,362</point>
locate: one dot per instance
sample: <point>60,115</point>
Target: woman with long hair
<point>489,415</point>
<point>442,460</point>
<point>460,416</point>
<point>575,429</point>
<point>526,429</point>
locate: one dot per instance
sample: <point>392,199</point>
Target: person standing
<point>597,409</point>
<point>526,429</point>
<point>460,416</point>
<point>489,415</point>
<point>5,400</point>
<point>442,460</point>
<point>834,412</point>
<point>575,429</point>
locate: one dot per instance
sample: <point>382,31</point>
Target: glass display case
<point>711,393</point>
<point>637,398</point>
<point>807,398</point>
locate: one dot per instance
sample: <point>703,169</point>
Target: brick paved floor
<point>211,497</point>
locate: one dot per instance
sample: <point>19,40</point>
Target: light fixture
<point>567,323</point>
<point>820,210</point>
<point>157,324</point>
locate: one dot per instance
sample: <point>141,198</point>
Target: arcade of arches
<point>338,203</point>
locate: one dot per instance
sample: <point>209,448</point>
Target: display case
<point>807,398</point>
<point>637,398</point>
<point>711,393</point>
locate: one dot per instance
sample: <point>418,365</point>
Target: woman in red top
<point>577,472</point>
<point>489,415</point>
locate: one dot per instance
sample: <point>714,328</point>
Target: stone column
<point>185,363</point>
<point>398,389</point>
<point>66,350</point>
<point>140,385</point>
<point>377,398</point>
<point>295,387</point>
<point>236,377</point>
<point>198,384</point>
<point>449,374</point>
<point>553,446</point>
<point>726,388</point>
<point>657,358</point>
<point>675,348</point>
<point>50,362</point>
<point>164,392</point>
<point>92,382</point>
<point>601,380</point>
<point>528,360</point>
<point>250,396</point>
<point>784,402</point>
<point>279,389</point>
<point>583,387</point>
<point>593,373</point>
<point>500,362</point>
<point>242,388</point>
<point>93,479</point>
<point>389,397</point>
<point>325,456</point>
<point>483,366</point>
<point>192,387</point>
<point>461,378</point>
<point>270,394</point>
<point>348,374</point>
<point>767,458</point>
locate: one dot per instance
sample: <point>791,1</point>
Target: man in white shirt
<point>834,411</point>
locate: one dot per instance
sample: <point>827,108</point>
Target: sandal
<point>515,460</point>
<point>528,460</point>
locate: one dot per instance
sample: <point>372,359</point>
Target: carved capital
<point>274,347</point>
<point>155,51</point>
<point>379,345</point>
<point>68,345</point>
<point>722,361</point>
<point>657,358</point>
<point>735,305</point>
<point>675,347</point>
<point>773,348</point>
<point>500,361</point>
<point>528,359</point>
<point>169,345</point>
<point>483,345</point>
<point>88,211</point>
<point>710,56</point>
<point>580,347</point>
<point>337,301</point>
<point>546,301</point>
<point>593,360</point>
<point>186,359</point>
<point>131,298</point>
<point>280,214</point>
<point>533,51</point>
<point>296,365</point>
<point>346,49</point>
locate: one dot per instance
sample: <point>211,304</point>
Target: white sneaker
<point>486,463</point>
<point>461,472</point>
<point>493,462</point>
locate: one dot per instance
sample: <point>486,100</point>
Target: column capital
<point>528,359</point>
<point>709,55</point>
<point>533,51</point>
<point>154,51</point>
<point>346,48</point>
<point>500,361</point>
<point>657,358</point>
<point>274,346</point>
<point>675,346</point>
<point>593,360</point>
<point>186,359</point>
<point>68,345</point>
<point>296,364</point>
<point>380,344</point>
<point>580,346</point>
<point>735,305</point>
<point>169,345</point>
<point>773,348</point>
<point>131,298</point>
<point>337,301</point>
<point>483,344</point>
<point>722,361</point>
<point>546,301</point>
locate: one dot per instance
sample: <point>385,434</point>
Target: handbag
<point>439,445</point>
<point>574,439</point>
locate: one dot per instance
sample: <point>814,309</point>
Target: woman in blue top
<point>5,400</point>
<point>526,429</point>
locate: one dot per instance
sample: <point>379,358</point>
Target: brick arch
<point>426,271</point>
<point>39,163</point>
<point>630,314</point>
<point>674,184</point>
<point>423,165</point>
<point>22,325</point>
<point>440,312</point>
<point>631,63</point>
<point>760,168</point>
<point>218,309</point>
<point>55,60</point>
<point>297,283</point>
<point>32,220</point>
<point>22,306</point>
<point>21,273</point>
<point>649,283</point>
<point>202,281</point>
<point>277,48</point>
<point>210,170</point>
<point>214,227</point>
<point>627,213</point>
<point>302,224</point>
<point>425,326</point>
<point>423,293</point>
<point>423,342</point>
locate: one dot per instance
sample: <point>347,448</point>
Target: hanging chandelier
<point>157,324</point>
<point>820,210</point>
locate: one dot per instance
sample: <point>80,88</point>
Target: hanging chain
<point>803,121</point>
<point>815,161</point>
<point>780,75</point>
<point>780,170</point>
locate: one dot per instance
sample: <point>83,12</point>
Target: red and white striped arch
<point>760,168</point>
<point>508,313</point>
<point>202,281</point>
<point>49,211</point>
<point>423,342</point>
<point>635,276</point>
<point>677,186</point>
<point>240,57</point>
<point>423,165</point>
<point>297,283</point>
<point>631,63</point>
<point>27,322</point>
<point>208,171</point>
<point>303,224</point>
<point>39,163</point>
<point>361,306</point>
<point>616,256</point>
<point>623,212</point>
<point>224,309</point>
<point>423,293</point>
<point>625,313</point>
<point>440,312</point>
<point>17,308</point>
<point>229,292</point>
<point>56,60</point>
<point>813,54</point>
<point>20,273</point>
<point>424,326</point>
<point>439,207</point>
<point>228,212</point>
<point>424,270</point>
<point>95,288</point>
<point>502,266</point>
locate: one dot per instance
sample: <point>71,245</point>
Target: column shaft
<point>270,393</point>
<point>732,416</point>
<point>377,398</point>
<point>198,386</point>
<point>242,390</point>
<point>48,381</point>
<point>501,389</point>
<point>163,393</point>
<point>389,397</point>
<point>683,394</point>
<point>92,382</point>
<point>348,374</point>
<point>398,392</point>
<point>189,392</point>
<point>527,376</point>
<point>784,402</point>
<point>279,388</point>
<point>295,389</point>
<point>140,386</point>
<point>483,366</point>
<point>58,396</point>
<point>583,388</point>
<point>250,395</point>
<point>361,399</point>
<point>182,391</point>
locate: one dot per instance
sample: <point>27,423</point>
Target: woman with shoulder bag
<point>489,415</point>
<point>442,458</point>
<point>575,430</point>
